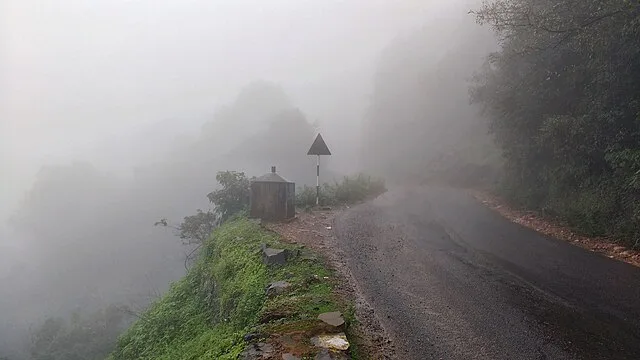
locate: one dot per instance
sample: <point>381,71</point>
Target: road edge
<point>552,228</point>
<point>315,230</point>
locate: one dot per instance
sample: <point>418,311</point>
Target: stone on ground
<point>271,256</point>
<point>331,342</point>
<point>332,318</point>
<point>277,288</point>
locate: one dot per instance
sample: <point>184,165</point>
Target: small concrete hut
<point>273,197</point>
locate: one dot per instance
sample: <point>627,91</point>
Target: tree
<point>230,200</point>
<point>234,195</point>
<point>563,101</point>
<point>194,229</point>
<point>197,228</point>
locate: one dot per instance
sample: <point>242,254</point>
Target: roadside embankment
<point>250,295</point>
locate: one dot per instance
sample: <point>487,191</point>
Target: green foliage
<point>310,296</point>
<point>81,338</point>
<point>195,229</point>
<point>234,195</point>
<point>206,314</point>
<point>348,191</point>
<point>231,200</point>
<point>563,100</point>
<point>355,189</point>
<point>306,197</point>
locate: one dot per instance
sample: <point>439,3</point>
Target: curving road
<point>451,279</point>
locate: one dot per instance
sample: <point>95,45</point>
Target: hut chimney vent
<point>273,169</point>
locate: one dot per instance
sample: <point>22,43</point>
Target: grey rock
<point>257,351</point>
<point>289,357</point>
<point>272,256</point>
<point>277,288</point>
<point>326,354</point>
<point>332,318</point>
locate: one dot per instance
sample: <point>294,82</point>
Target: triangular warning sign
<point>319,147</point>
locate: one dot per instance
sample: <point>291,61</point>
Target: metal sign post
<point>319,147</point>
<point>318,182</point>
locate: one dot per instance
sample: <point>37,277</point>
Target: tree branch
<point>190,256</point>
<point>585,24</point>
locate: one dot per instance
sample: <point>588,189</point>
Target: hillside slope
<point>222,302</point>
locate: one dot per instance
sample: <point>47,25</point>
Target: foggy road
<point>451,279</point>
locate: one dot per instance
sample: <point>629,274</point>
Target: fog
<point>114,114</point>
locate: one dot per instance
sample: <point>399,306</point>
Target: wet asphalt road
<point>451,279</point>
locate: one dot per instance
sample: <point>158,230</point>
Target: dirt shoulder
<point>315,231</point>
<point>549,227</point>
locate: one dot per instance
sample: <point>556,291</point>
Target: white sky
<point>74,73</point>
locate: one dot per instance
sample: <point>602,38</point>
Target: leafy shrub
<point>204,315</point>
<point>307,197</point>
<point>195,229</point>
<point>348,191</point>
<point>229,201</point>
<point>222,298</point>
<point>234,195</point>
<point>358,188</point>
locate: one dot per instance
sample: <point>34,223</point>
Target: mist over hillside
<point>87,236</point>
<point>420,123</point>
<point>134,127</point>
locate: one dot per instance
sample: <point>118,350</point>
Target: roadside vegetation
<point>100,250</point>
<point>563,100</point>
<point>554,121</point>
<point>222,298</point>
<point>349,190</point>
<point>221,304</point>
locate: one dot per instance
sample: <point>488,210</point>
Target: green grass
<point>222,298</point>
